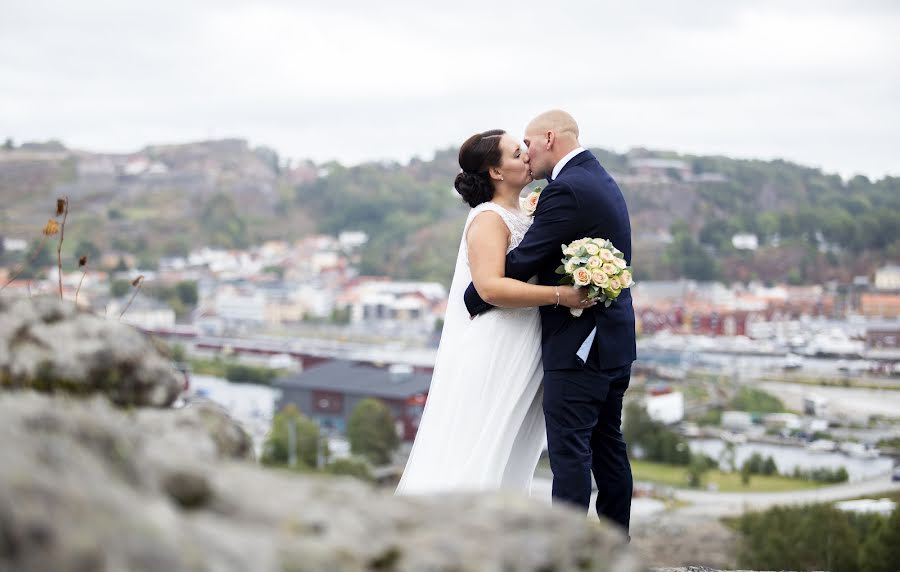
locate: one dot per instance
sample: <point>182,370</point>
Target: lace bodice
<point>518,223</point>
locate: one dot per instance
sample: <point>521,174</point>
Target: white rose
<point>570,266</point>
<point>592,248</point>
<point>606,255</point>
<point>610,269</point>
<point>570,250</point>
<point>626,279</point>
<point>594,262</point>
<point>599,278</point>
<point>620,262</point>
<point>582,276</point>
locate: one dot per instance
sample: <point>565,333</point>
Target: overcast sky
<point>813,81</point>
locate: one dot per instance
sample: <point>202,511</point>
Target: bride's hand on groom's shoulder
<point>572,297</point>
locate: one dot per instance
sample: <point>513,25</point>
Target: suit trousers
<point>583,410</point>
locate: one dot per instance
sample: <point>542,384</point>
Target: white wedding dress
<point>483,425</point>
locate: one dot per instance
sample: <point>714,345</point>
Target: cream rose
<point>620,262</point>
<point>610,269</point>
<point>582,276</point>
<point>606,255</point>
<point>570,251</point>
<point>612,294</point>
<point>626,279</point>
<point>570,266</point>
<point>594,262</point>
<point>615,284</point>
<point>592,248</point>
<point>599,278</point>
<point>529,203</point>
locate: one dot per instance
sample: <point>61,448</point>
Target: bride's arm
<point>487,239</point>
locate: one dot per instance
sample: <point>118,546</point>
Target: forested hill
<point>163,200</point>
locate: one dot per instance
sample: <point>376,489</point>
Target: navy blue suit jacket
<point>583,201</point>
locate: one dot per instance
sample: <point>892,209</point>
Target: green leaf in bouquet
<point>567,280</point>
<point>561,269</point>
<point>607,304</point>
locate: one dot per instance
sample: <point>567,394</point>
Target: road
<point>717,505</point>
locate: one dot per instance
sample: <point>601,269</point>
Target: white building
<point>884,507</point>
<point>666,408</point>
<point>352,239</point>
<point>14,244</point>
<point>397,303</point>
<point>888,278</point>
<point>737,420</point>
<point>234,303</point>
<point>145,313</point>
<point>745,241</point>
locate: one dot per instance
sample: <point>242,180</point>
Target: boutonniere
<point>529,203</point>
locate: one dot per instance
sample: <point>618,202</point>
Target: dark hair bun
<point>474,188</point>
<point>479,153</point>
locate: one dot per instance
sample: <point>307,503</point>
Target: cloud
<point>814,82</point>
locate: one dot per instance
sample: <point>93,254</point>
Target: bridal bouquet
<point>598,265</point>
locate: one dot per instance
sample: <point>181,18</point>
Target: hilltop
<point>794,223</point>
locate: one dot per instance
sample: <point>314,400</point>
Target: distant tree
<point>276,449</point>
<point>8,144</point>
<point>119,288</point>
<point>745,474</point>
<point>89,249</point>
<point>372,432</point>
<point>187,292</point>
<point>696,470</point>
<point>769,467</point>
<point>815,537</point>
<point>880,551</point>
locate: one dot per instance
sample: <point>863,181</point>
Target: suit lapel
<point>578,159</point>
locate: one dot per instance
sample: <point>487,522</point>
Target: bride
<point>483,425</point>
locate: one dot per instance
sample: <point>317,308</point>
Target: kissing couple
<point>515,369</point>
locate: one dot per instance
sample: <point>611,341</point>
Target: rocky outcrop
<point>49,345</point>
<point>86,485</point>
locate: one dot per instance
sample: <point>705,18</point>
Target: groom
<point>587,360</point>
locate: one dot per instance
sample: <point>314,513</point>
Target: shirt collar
<point>562,162</point>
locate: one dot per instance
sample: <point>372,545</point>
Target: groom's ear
<point>551,138</point>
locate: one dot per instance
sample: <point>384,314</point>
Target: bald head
<point>550,136</point>
<point>557,121</point>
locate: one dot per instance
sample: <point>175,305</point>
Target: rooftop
<point>359,378</point>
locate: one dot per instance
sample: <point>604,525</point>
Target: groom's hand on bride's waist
<point>474,304</point>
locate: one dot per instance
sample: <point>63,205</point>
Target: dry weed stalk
<point>136,283</point>
<point>82,263</point>
<point>62,208</point>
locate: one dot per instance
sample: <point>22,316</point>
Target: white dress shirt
<point>562,162</point>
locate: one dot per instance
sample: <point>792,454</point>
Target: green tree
<point>745,474</point>
<point>372,432</point>
<point>187,292</point>
<point>119,288</point>
<point>696,471</point>
<point>89,249</point>
<point>276,450</point>
<point>880,551</point>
